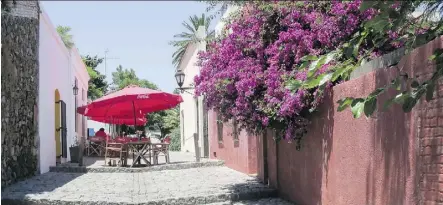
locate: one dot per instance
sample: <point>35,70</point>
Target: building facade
<point>61,69</point>
<point>192,114</point>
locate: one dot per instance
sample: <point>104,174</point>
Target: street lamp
<point>75,89</point>
<point>180,78</point>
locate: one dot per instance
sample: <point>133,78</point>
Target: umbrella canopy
<point>120,121</point>
<point>130,101</point>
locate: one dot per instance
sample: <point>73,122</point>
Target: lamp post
<point>180,78</point>
<point>80,154</point>
<point>75,89</point>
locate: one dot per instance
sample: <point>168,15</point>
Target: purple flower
<point>244,75</point>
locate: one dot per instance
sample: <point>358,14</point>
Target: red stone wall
<point>391,158</point>
<point>240,154</point>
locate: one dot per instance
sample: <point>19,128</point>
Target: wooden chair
<point>94,146</point>
<point>115,151</point>
<point>160,149</point>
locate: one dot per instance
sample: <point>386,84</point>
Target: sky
<point>137,33</point>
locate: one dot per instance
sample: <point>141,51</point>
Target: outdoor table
<point>139,148</point>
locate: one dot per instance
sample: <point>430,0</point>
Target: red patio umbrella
<point>131,101</point>
<point>121,121</point>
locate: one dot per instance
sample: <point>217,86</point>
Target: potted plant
<point>74,151</point>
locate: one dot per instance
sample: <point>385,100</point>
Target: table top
<point>146,142</point>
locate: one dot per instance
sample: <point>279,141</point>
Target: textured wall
<point>391,158</point>
<point>19,81</point>
<point>240,154</point>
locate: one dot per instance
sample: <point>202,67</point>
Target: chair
<point>160,149</point>
<point>115,151</point>
<point>94,146</point>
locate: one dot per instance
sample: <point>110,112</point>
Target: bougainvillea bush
<point>243,75</point>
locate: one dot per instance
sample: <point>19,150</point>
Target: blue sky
<point>136,32</point>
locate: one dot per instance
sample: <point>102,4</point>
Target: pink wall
<point>390,158</point>
<point>240,155</point>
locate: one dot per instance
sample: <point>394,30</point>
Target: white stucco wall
<point>56,72</point>
<point>81,74</point>
<point>188,106</point>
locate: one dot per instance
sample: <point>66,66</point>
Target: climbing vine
<point>390,29</point>
<point>278,59</point>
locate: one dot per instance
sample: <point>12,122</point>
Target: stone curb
<point>251,195</point>
<point>135,170</point>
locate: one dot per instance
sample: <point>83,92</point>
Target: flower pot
<point>74,151</point>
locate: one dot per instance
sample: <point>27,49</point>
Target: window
<point>219,128</point>
<point>75,109</point>
<point>235,129</point>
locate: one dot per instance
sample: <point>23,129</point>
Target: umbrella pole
<point>135,119</point>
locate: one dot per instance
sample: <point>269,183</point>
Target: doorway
<point>57,125</point>
<point>60,126</point>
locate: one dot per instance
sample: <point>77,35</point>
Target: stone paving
<point>178,160</point>
<point>204,185</point>
<point>267,201</point>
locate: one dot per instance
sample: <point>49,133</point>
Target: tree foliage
<point>190,36</point>
<point>66,37</point>
<point>175,144</point>
<point>124,77</point>
<point>97,82</point>
<point>164,121</point>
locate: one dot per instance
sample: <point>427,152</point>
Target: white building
<point>60,70</point>
<point>191,111</point>
<point>193,116</point>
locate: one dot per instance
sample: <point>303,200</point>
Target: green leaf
<point>415,84</point>
<point>357,46</point>
<point>388,103</point>
<point>430,91</point>
<point>409,103</point>
<point>344,103</point>
<point>294,85</point>
<point>315,65</point>
<point>369,106</point>
<point>357,106</point>
<point>376,92</point>
<point>340,71</point>
<point>365,5</point>
<point>309,58</point>
<point>396,83</point>
<point>400,98</point>
<point>378,23</point>
<point>437,53</point>
<point>304,65</point>
<point>326,78</point>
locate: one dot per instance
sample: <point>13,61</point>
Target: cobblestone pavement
<point>188,186</point>
<point>179,160</point>
<point>175,157</point>
<point>267,201</point>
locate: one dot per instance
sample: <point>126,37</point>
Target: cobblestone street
<point>206,185</point>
